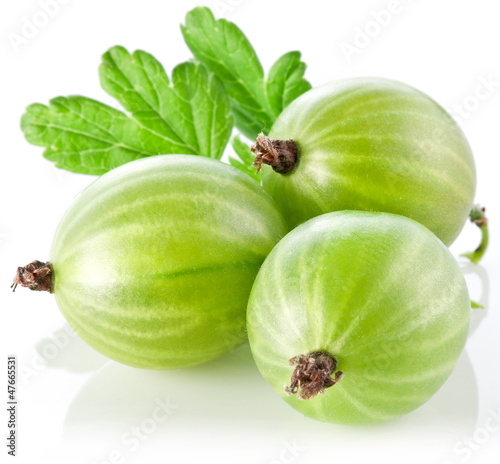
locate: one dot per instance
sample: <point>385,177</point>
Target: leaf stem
<point>477,216</point>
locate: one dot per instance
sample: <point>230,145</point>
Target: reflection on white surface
<point>479,288</point>
<point>220,404</point>
<point>64,349</point>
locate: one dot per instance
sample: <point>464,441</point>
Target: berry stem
<point>476,305</point>
<point>281,155</point>
<point>477,216</point>
<point>312,374</point>
<point>35,276</point>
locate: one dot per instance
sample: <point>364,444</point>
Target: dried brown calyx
<point>35,276</point>
<point>312,374</point>
<point>281,155</point>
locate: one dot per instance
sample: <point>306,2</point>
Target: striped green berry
<point>153,263</point>
<point>374,145</point>
<point>371,310</point>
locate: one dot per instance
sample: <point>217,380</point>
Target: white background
<point>74,404</point>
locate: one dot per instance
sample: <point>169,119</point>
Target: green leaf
<point>223,48</point>
<point>83,135</point>
<point>190,115</point>
<point>243,159</point>
<point>192,112</point>
<point>286,81</point>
